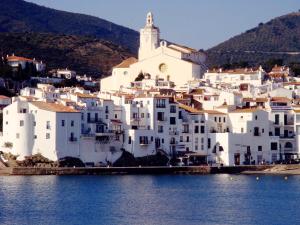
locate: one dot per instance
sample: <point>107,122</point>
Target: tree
<point>140,77</point>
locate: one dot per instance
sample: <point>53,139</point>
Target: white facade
<point>159,59</point>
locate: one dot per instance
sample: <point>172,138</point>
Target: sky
<point>199,24</point>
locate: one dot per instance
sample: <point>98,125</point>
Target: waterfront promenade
<point>200,170</point>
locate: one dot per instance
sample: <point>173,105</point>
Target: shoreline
<point>156,170</point>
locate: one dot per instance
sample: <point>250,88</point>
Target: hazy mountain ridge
<point>278,38</point>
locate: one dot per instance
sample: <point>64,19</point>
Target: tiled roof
<point>214,112</point>
<point>255,99</point>
<point>126,63</point>
<point>189,108</point>
<point>18,58</point>
<point>280,99</point>
<point>53,107</point>
<point>245,110</point>
<point>4,97</point>
<point>81,95</point>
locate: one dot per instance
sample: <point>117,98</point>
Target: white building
<point>158,59</point>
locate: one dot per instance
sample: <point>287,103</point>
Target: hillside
<point>276,39</point>
<point>85,55</point>
<point>20,16</point>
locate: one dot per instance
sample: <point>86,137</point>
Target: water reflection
<point>217,199</point>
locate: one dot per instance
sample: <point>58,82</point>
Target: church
<point>159,59</point>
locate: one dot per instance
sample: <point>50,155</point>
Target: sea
<point>146,200</point>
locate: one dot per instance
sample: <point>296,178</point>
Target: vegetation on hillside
<point>22,16</point>
<point>85,55</point>
<point>276,39</point>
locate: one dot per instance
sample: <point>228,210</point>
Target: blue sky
<point>196,23</point>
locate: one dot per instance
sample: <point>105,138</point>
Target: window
<point>116,116</point>
<point>160,116</point>
<point>185,128</point>
<point>106,116</point>
<point>196,129</point>
<point>274,146</point>
<point>276,119</point>
<point>202,129</point>
<point>215,119</point>
<point>35,136</point>
<point>224,120</point>
<point>148,115</point>
<point>208,143</point>
<point>160,129</point>
<point>72,123</point>
<point>89,117</point>
<point>259,148</point>
<point>180,115</point>
<point>242,130</point>
<point>187,139</point>
<point>255,117</point>
<point>256,131</point>
<point>172,109</point>
<point>129,140</point>
<point>106,109</point>
<point>220,119</point>
<point>48,125</point>
<point>82,116</point>
<point>142,115</point>
<point>144,140</point>
<point>277,131</point>
<point>21,123</point>
<point>63,123</point>
<point>47,135</point>
<point>96,117</point>
<point>17,135</point>
<point>172,120</point>
<point>135,115</point>
<point>161,103</point>
<point>181,138</point>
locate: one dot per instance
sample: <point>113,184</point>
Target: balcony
<point>290,136</point>
<point>173,132</point>
<point>103,134</point>
<point>162,119</point>
<point>289,123</point>
<point>144,143</point>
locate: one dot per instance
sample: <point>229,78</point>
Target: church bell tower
<point>149,38</point>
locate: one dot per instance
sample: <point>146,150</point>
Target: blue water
<point>130,200</point>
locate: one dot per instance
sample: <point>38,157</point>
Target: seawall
<point>135,170</point>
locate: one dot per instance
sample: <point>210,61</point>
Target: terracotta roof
<point>245,110</point>
<point>18,58</point>
<point>280,99</point>
<point>255,99</point>
<point>126,63</point>
<point>214,112</point>
<point>4,97</point>
<point>53,107</point>
<point>81,95</point>
<point>189,108</point>
<point>291,83</point>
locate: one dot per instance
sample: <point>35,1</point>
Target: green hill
<point>85,55</point>
<point>20,16</point>
<point>276,39</point>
